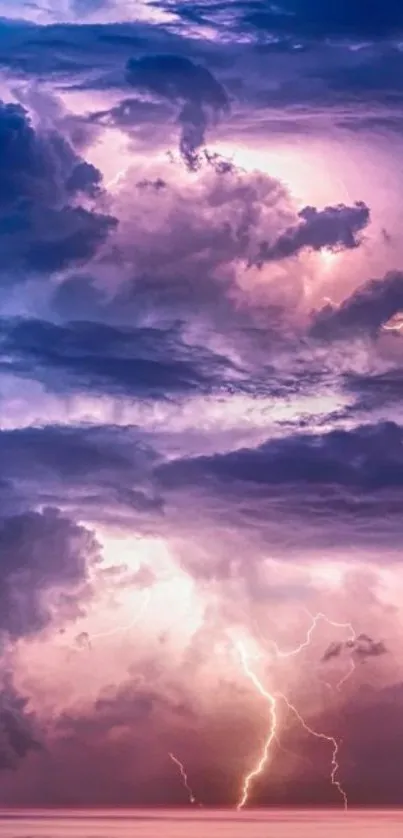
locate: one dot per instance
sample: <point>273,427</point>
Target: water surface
<point>260,823</point>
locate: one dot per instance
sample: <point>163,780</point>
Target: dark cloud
<point>130,112</point>
<point>77,54</point>
<point>102,469</point>
<point>78,297</point>
<point>374,76</point>
<point>303,59</point>
<point>153,363</point>
<point>43,227</point>
<point>200,96</point>
<point>369,308</point>
<point>366,647</point>
<point>73,450</point>
<point>306,71</point>
<point>19,734</point>
<point>362,647</point>
<point>318,490</point>
<point>157,184</point>
<point>334,650</point>
<point>308,19</point>
<point>44,563</point>
<point>371,390</point>
<point>382,123</point>
<point>366,458</point>
<point>335,228</point>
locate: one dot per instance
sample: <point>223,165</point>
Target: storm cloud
<point>333,227</point>
<point>330,489</point>
<point>147,363</point>
<point>369,308</point>
<point>19,730</point>
<point>44,556</point>
<point>43,227</point>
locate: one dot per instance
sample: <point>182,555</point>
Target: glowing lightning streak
<point>144,605</point>
<point>335,765</point>
<point>135,620</point>
<point>272,699</point>
<point>397,328</point>
<point>184,776</point>
<point>273,727</point>
<point>315,620</point>
<point>348,675</point>
<point>117,178</point>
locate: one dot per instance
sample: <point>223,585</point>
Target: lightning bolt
<point>397,328</point>
<point>348,675</point>
<point>315,619</point>
<point>118,629</point>
<point>117,178</point>
<point>184,777</point>
<point>335,748</point>
<point>314,622</point>
<point>272,735</point>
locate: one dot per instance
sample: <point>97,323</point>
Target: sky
<point>201,373</point>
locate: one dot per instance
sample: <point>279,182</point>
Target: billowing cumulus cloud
<point>43,225</point>
<point>182,242</point>
<point>44,556</point>
<point>201,470</point>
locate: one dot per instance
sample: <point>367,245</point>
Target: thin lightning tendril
<point>348,675</point>
<point>184,777</point>
<point>335,765</point>
<point>315,619</point>
<point>397,328</point>
<point>272,735</point>
<point>143,607</point>
<point>117,178</point>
